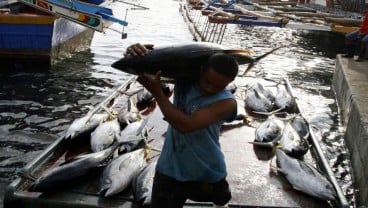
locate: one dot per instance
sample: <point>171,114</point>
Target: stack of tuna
<point>118,150</point>
<point>288,136</point>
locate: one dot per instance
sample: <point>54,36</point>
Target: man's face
<point>212,82</point>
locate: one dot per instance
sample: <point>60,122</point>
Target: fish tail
<point>268,53</point>
<point>250,66</point>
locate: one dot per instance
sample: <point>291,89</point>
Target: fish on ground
<point>104,135</point>
<point>263,90</point>
<point>257,102</point>
<point>181,61</point>
<point>269,130</point>
<point>301,126</point>
<point>142,184</point>
<point>83,126</point>
<point>119,174</point>
<point>304,177</point>
<point>133,131</point>
<point>291,143</point>
<point>283,99</point>
<point>63,175</point>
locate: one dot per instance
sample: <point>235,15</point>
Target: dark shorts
<point>170,193</point>
<point>353,36</point>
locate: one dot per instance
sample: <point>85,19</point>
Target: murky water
<point>36,107</point>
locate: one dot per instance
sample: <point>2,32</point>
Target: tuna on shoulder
<point>181,61</point>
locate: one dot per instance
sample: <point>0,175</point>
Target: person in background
<point>360,35</point>
<point>191,164</point>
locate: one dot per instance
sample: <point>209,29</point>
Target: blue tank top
<point>194,156</point>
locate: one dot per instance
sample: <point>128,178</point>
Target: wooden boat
<point>40,33</point>
<point>251,183</point>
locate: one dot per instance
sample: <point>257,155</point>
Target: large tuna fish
<point>257,102</point>
<point>84,125</point>
<point>284,100</point>
<point>120,172</point>
<point>142,184</point>
<point>291,143</point>
<point>104,135</point>
<point>304,177</point>
<point>182,61</point>
<point>63,175</point>
<point>269,130</point>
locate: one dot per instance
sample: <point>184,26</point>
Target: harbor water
<point>36,107</point>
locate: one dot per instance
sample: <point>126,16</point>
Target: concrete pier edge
<point>350,84</point>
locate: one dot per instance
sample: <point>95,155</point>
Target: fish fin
<point>263,144</point>
<point>140,129</point>
<point>251,65</point>
<point>238,51</point>
<point>268,53</point>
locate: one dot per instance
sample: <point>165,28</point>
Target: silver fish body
<point>180,61</point>
<point>263,90</point>
<point>104,135</point>
<point>291,143</point>
<point>283,99</point>
<point>257,102</point>
<point>132,131</point>
<point>305,178</point>
<point>84,125</point>
<point>118,175</point>
<point>269,130</point>
<point>142,184</point>
<point>301,126</point>
<point>78,167</point>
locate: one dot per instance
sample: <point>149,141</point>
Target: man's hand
<point>152,83</point>
<point>138,49</point>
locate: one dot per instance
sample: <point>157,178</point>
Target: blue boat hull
<point>38,40</point>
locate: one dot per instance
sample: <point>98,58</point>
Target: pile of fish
<point>118,140</point>
<point>262,100</point>
<point>288,135</point>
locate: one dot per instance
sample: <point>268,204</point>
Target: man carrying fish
<point>191,164</point>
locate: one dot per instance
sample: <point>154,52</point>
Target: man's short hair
<point>224,64</point>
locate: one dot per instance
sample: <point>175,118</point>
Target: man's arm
<point>178,119</point>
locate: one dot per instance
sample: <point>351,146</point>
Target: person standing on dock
<point>361,35</point>
<point>191,164</point>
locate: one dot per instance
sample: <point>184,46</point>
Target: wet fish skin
<point>80,126</point>
<point>304,177</point>
<point>120,172</point>
<point>130,131</point>
<point>132,145</point>
<point>104,135</point>
<point>257,102</point>
<point>269,130</point>
<point>181,61</point>
<point>291,143</point>
<point>79,167</point>
<point>142,184</point>
<point>301,126</point>
<point>283,99</point>
<point>263,90</point>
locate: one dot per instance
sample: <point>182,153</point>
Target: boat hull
<point>36,40</point>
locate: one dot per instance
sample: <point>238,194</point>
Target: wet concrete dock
<point>350,83</point>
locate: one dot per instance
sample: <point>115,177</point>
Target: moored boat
<point>37,34</point>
